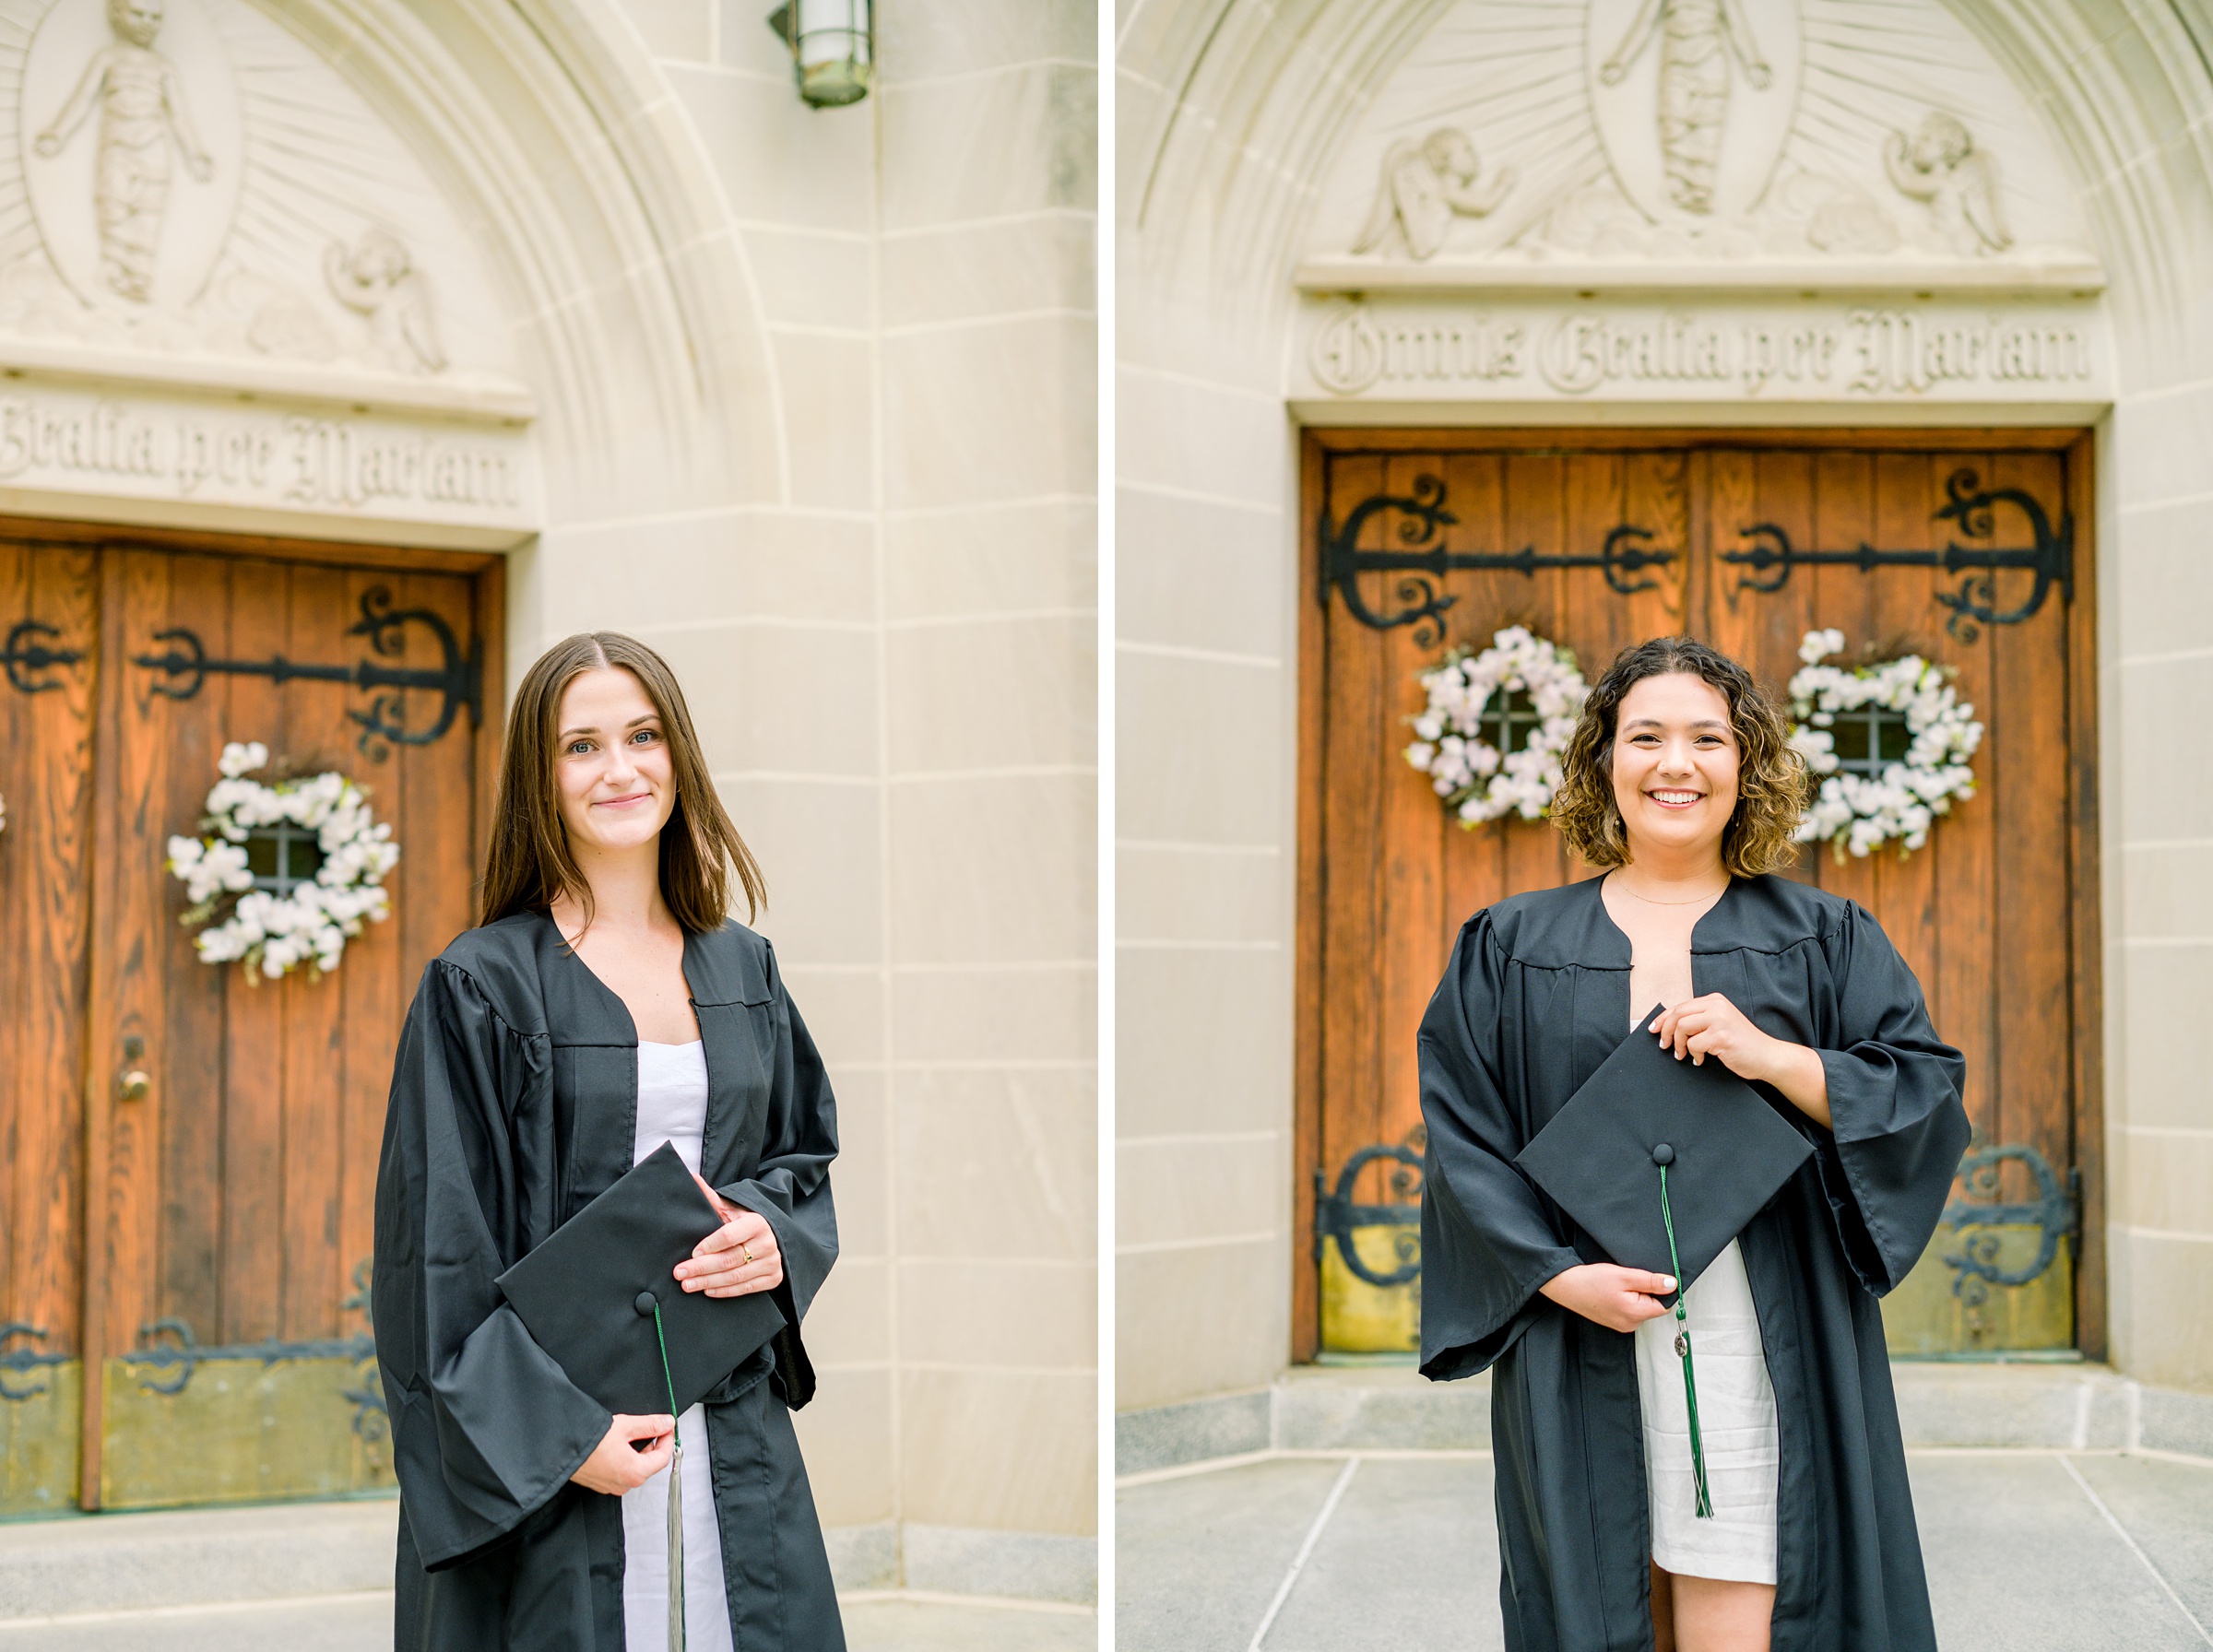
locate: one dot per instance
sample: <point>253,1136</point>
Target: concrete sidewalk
<point>281,1577</point>
<point>2027,1551</point>
<point>363,1622</point>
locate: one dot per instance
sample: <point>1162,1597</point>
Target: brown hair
<point>1771,777</point>
<point>530,865</point>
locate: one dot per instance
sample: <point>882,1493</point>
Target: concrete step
<point>191,1558</point>
<point>2035,1405</point>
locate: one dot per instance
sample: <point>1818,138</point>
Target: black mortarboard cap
<point>1727,1151</point>
<point>588,1294</point>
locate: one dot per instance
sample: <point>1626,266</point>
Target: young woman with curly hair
<point>1680,782</point>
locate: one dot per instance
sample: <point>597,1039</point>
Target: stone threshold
<point>2017,1406</point>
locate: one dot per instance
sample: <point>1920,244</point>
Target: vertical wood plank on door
<point>1308,974</point>
<point>47,778</point>
<point>1902,606</point>
<point>1411,882</point>
<point>2086,954</point>
<point>1963,849</point>
<point>128,1220</point>
<point>1351,829</point>
<point>2029,664</point>
<point>375,999</point>
<point>320,603</point>
<point>189,1047</point>
<point>253,1065</point>
<point>438,787</point>
<point>1474,858</point>
<point>1536,507</point>
<point>1843,597</point>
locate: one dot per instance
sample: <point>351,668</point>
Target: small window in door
<point>1870,739</point>
<point>283,857</point>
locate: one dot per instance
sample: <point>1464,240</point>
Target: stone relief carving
<point>1684,130</point>
<point>377,280</point>
<point>1941,166</point>
<point>1697,38</point>
<point>186,176</point>
<point>143,109</point>
<point>1424,186</point>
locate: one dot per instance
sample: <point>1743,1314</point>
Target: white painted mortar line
<point>2121,1531</point>
<point>1282,1591</point>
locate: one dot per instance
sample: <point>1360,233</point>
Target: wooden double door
<point>188,1157</point>
<point>1969,548</point>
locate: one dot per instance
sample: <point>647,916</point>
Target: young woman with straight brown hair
<point>607,1002</point>
<point>1679,781</point>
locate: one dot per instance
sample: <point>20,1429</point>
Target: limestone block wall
<point>889,651</point>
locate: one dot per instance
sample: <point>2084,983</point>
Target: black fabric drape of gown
<point>1535,996</point>
<point>513,1103</point>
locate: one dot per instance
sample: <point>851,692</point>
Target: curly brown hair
<point>1770,779</point>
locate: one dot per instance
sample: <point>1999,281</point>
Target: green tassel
<point>676,1493</point>
<point>1690,1381</point>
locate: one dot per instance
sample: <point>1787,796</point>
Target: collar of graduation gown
<point>723,968</point>
<point>726,971</point>
<point>1570,927</point>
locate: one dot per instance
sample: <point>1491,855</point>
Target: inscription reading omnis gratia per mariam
<point>1858,353</point>
<point>180,452</point>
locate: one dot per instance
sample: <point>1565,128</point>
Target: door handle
<point>134,1083</point>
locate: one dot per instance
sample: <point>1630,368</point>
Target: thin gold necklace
<point>1692,901</point>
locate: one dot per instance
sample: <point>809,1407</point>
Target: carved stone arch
<point>1251,105</point>
<point>604,222</point>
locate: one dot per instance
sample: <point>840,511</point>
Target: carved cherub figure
<point>1939,164</point>
<point>1697,39</point>
<point>142,108</point>
<point>377,278</point>
<point>1424,184</point>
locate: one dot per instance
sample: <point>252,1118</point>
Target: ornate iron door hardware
<point>17,1364</point>
<point>1625,553</point>
<point>2055,1212</point>
<point>1335,1214</point>
<point>459,680</point>
<point>2050,557</point>
<point>26,658</point>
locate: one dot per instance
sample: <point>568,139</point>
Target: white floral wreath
<point>1476,780</point>
<point>272,934</point>
<point>1858,812</point>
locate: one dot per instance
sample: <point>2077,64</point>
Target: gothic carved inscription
<point>59,441</point>
<point>1873,351</point>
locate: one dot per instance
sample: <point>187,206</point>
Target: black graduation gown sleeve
<point>485,1427</point>
<point>790,1187</point>
<point>1487,1242</point>
<point>1897,1125</point>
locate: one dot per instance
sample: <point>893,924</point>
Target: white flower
<point>1857,813</point>
<point>1476,780</point>
<point>272,934</point>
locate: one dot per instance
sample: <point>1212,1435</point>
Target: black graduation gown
<point>514,1102</point>
<point>1536,995</point>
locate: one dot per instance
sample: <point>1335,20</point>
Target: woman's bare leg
<point>1663,1608</point>
<point>1714,1616</point>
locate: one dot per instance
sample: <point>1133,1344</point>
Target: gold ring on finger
<point>747,1251</point>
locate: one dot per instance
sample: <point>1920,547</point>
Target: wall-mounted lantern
<point>833,46</point>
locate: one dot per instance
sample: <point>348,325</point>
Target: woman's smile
<point>625,801</point>
<point>1676,799</point>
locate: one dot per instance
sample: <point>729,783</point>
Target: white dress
<point>672,1106</point>
<point>1737,1426</point>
